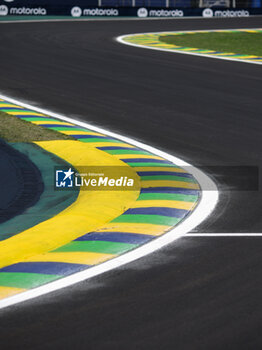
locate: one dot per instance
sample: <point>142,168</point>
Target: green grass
<point>13,129</point>
<point>30,18</point>
<point>238,43</point>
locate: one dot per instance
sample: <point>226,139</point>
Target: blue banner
<point>78,9</point>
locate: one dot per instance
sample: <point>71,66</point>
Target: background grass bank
<point>13,129</point>
<point>231,42</point>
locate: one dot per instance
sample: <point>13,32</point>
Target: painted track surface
<point>97,225</point>
<point>198,293</point>
<point>23,183</point>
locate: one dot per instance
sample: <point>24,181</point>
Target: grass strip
<point>13,129</point>
<point>236,42</point>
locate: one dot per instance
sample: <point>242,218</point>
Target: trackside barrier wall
<point>79,8</point>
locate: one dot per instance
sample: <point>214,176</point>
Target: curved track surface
<point>199,293</point>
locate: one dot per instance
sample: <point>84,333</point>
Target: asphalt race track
<point>199,292</point>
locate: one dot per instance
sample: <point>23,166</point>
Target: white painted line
<point>203,210</point>
<point>223,234</point>
<point>121,39</point>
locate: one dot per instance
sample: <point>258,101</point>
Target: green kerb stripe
<point>62,128</point>
<point>38,119</point>
<point>14,110</point>
<point>149,164</point>
<point>167,196</point>
<point>147,219</point>
<point>167,177</point>
<point>96,247</point>
<point>94,139</point>
<point>24,280</point>
<point>125,151</point>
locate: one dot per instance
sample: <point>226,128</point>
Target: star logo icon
<point>64,178</point>
<point>68,174</point>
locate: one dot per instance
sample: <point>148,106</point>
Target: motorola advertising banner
<point>79,9</point>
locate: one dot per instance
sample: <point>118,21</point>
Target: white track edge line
<point>121,40</point>
<point>246,234</point>
<point>203,210</point>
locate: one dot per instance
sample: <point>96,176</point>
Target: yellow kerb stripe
<point>39,122</point>
<point>9,291</point>
<point>163,183</point>
<point>91,210</point>
<point>26,113</point>
<point>10,105</point>
<point>173,170</point>
<point>74,257</point>
<point>164,203</point>
<point>71,132</point>
<point>107,144</point>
